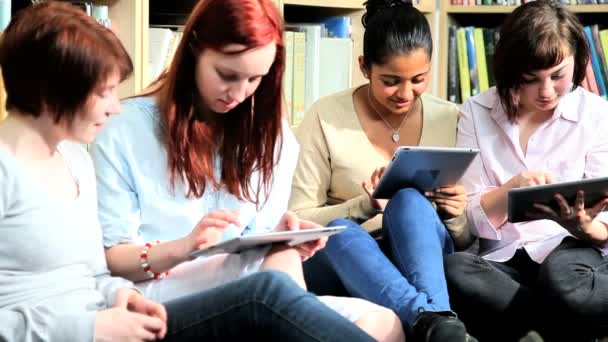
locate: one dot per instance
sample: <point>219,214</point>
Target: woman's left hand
<point>577,219</point>
<point>450,201</point>
<point>290,221</point>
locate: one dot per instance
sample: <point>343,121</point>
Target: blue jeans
<point>265,306</point>
<point>408,275</point>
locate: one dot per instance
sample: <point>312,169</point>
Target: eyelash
<point>533,80</point>
<point>394,83</point>
<point>228,78</point>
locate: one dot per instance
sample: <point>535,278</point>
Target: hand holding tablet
<point>291,238</point>
<point>424,168</point>
<point>557,201</point>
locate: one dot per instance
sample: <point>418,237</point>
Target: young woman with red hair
<point>204,155</point>
<point>54,281</point>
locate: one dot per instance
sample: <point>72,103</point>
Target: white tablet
<point>424,168</point>
<point>289,237</point>
<point>521,200</point>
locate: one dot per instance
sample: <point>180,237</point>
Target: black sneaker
<point>440,327</point>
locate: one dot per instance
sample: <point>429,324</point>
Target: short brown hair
<point>534,37</point>
<point>53,56</point>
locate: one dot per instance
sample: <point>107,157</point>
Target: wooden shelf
<point>425,6</point>
<point>479,9</point>
<point>508,9</point>
<point>352,4</point>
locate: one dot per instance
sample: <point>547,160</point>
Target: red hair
<point>248,138</point>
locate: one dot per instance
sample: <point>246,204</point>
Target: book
<point>299,77</point>
<point>453,86</point>
<point>490,39</point>
<point>288,73</point>
<point>5,13</point>
<point>338,27</point>
<point>480,55</point>
<point>159,40</point>
<point>312,60</point>
<point>595,63</point>
<point>472,59</point>
<point>604,43</point>
<point>590,76</point>
<point>336,69</point>
<point>463,65</point>
<point>600,55</point>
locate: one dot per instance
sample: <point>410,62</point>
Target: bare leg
<point>384,326</point>
<point>285,259</point>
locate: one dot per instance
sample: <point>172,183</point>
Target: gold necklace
<point>395,135</point>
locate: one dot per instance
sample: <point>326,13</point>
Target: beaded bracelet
<point>145,265</point>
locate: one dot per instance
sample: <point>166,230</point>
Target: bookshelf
<point>312,10</point>
<point>491,16</point>
<point>130,20</point>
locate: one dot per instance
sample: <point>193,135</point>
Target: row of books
<point>162,43</point>
<point>596,79</point>
<point>470,51</point>
<point>317,64</point>
<point>470,57</point>
<point>519,2</point>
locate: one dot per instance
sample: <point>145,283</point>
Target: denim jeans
<point>564,297</point>
<point>265,306</point>
<point>403,273</point>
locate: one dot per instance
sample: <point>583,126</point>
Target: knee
<point>270,281</point>
<point>352,231</point>
<point>408,200</point>
<point>457,268</point>
<point>568,283</point>
<point>382,325</point>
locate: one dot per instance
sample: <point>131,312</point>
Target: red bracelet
<point>145,265</point>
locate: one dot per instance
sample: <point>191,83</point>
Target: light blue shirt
<point>53,273</point>
<point>135,200</point>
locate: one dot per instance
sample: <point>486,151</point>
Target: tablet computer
<point>521,200</point>
<point>289,237</point>
<point>424,168</point>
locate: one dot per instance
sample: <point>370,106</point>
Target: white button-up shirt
<point>571,145</point>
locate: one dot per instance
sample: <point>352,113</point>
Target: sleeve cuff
<point>481,225</point>
<point>366,207</point>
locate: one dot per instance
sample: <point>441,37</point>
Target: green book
<point>480,53</point>
<point>463,65</point>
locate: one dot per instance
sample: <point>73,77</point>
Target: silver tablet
<point>289,237</point>
<point>521,200</point>
<point>424,168</point>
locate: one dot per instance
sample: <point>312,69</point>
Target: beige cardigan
<point>336,156</point>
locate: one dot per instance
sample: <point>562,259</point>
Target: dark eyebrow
<point>398,77</point>
<point>223,69</point>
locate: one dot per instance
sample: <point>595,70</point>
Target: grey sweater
<point>53,273</point>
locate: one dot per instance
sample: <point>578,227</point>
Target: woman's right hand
<point>529,178</point>
<point>210,228</point>
<point>120,324</point>
<point>370,184</point>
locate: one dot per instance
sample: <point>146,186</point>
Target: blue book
<point>338,27</point>
<point>595,62</point>
<point>472,60</point>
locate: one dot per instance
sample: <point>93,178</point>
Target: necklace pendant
<point>396,137</point>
